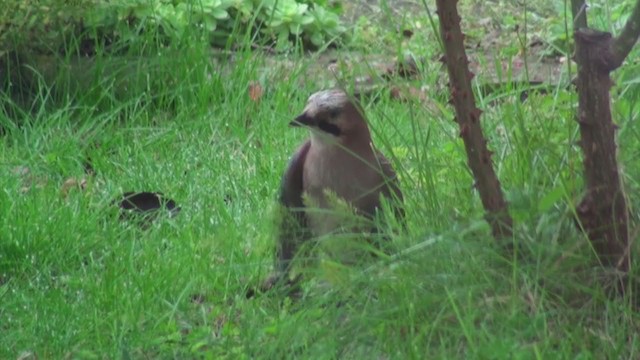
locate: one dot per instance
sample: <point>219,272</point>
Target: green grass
<point>75,282</point>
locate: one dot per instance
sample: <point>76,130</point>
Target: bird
<point>338,160</point>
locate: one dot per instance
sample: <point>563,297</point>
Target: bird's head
<point>333,117</point>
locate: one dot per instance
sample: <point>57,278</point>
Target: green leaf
<point>317,39</point>
<point>210,23</point>
<point>295,29</point>
<point>283,39</point>
<point>307,19</point>
<point>220,14</point>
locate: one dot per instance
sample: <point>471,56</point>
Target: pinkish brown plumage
<point>339,158</point>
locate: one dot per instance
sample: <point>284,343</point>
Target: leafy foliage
<point>45,26</point>
<point>38,25</point>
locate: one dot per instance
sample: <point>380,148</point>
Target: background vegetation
<point>199,110</point>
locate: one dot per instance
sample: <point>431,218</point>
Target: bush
<point>52,26</point>
<point>41,26</point>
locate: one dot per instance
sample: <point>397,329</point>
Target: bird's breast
<point>336,180</point>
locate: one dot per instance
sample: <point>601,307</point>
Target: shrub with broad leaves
<point>48,26</point>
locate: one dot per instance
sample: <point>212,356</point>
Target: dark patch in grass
<point>145,206</point>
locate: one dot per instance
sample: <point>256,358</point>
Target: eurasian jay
<point>338,159</point>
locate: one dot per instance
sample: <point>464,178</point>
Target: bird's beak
<point>303,120</point>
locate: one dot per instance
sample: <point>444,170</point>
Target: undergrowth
<point>77,282</point>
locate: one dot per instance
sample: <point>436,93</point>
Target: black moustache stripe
<point>329,128</point>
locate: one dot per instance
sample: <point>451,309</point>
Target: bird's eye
<point>334,113</point>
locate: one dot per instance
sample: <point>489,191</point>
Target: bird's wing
<point>291,186</point>
<point>293,223</point>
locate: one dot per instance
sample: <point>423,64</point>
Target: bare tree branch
<point>623,44</point>
<point>579,11</point>
<point>468,119</point>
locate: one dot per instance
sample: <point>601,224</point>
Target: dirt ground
<point>487,36</point>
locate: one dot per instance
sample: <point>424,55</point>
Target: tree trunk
<point>468,119</point>
<point>603,210</point>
